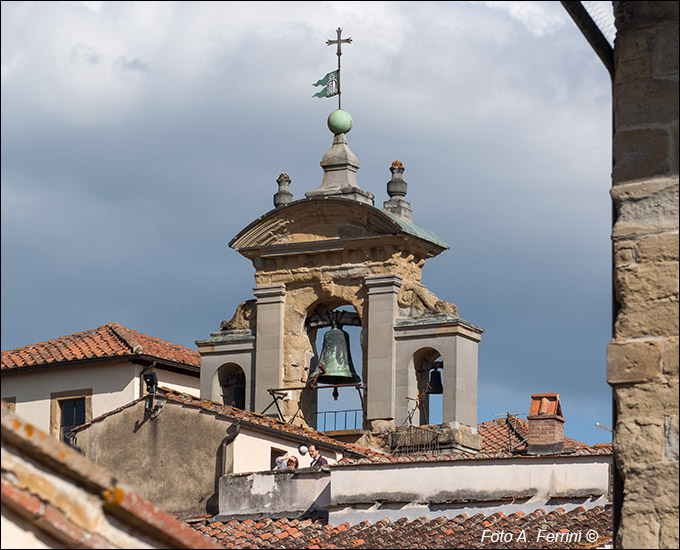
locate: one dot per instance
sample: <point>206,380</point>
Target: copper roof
<point>578,528</point>
<point>110,341</point>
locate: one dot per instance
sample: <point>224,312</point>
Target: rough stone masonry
<point>642,358</point>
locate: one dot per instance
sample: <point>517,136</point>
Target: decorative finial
<point>283,196</point>
<point>340,122</point>
<point>396,189</point>
<point>331,81</point>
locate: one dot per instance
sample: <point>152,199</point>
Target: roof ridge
<point>125,337</point>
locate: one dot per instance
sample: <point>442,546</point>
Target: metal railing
<point>350,419</point>
<point>414,440</point>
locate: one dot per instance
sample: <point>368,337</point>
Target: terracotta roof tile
<point>502,438</point>
<point>106,342</point>
<point>577,528</point>
<point>35,498</point>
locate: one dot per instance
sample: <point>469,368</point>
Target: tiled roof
<point>109,341</point>
<point>74,501</point>
<point>579,528</point>
<point>502,438</point>
<point>510,434</point>
<point>246,417</point>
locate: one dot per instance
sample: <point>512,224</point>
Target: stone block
<point>637,531</point>
<point>658,248</point>
<point>638,441</point>
<point>670,358</point>
<point>668,532</point>
<point>648,282</point>
<point>660,104</point>
<point>634,57</point>
<point>640,154</point>
<point>652,488</point>
<point>643,319</point>
<point>632,16</point>
<point>624,253</point>
<point>666,53</point>
<point>634,361</point>
<point>651,399</point>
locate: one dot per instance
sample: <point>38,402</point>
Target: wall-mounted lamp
<point>151,381</point>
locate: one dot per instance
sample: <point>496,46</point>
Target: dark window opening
<point>72,415</point>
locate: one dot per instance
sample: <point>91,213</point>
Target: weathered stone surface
<point>666,62</point>
<point>633,58</point>
<point>640,154</point>
<point>462,435</point>
<point>671,451</point>
<point>642,319</point>
<point>634,361</point>
<point>625,191</point>
<point>652,488</point>
<point>415,301</point>
<point>644,214</point>
<point>638,440</point>
<point>625,252</point>
<point>668,533</point>
<point>658,248</point>
<point>649,281</point>
<point>639,530</point>
<point>659,107</point>
<point>646,400</point>
<point>670,358</point>
<point>245,316</point>
<point>674,150</point>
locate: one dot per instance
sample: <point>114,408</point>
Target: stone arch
<point>231,379</point>
<point>317,312</point>
<point>423,362</point>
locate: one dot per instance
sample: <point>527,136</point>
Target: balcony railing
<point>414,440</point>
<point>329,421</point>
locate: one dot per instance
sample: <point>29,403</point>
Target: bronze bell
<point>436,386</point>
<point>335,362</point>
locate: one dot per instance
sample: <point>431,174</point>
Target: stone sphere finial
<point>340,122</point>
<point>283,196</point>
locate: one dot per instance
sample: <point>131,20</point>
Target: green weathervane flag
<point>330,85</point>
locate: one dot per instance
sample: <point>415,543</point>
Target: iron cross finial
<point>340,41</point>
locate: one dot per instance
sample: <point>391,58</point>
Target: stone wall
<point>642,358</point>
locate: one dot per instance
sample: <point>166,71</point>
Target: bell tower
<point>330,249</point>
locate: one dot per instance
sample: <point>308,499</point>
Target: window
<point>72,415</point>
<point>275,453</point>
<point>69,409</point>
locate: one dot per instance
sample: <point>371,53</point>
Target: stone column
<point>642,358</point>
<point>459,376</point>
<point>381,364</point>
<point>268,344</point>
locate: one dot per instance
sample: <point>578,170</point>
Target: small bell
<point>436,386</point>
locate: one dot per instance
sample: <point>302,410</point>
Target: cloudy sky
<point>139,138</point>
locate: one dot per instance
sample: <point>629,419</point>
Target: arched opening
<point>429,367</point>
<point>232,381</point>
<point>337,409</point>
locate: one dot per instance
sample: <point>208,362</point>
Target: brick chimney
<point>546,425</point>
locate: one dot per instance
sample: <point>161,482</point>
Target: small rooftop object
<point>340,122</point>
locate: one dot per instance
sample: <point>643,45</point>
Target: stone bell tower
<point>330,249</point>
